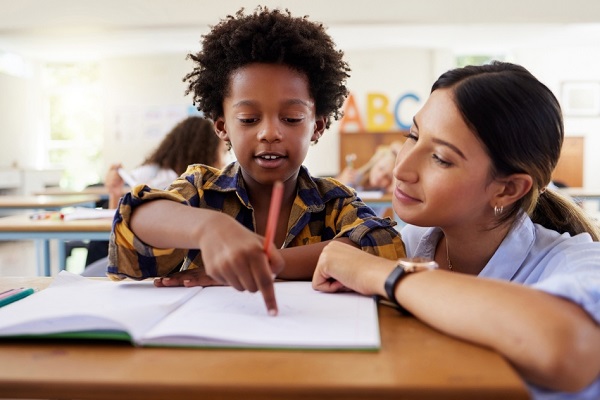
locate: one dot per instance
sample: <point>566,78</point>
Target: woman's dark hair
<point>191,141</point>
<point>272,37</point>
<point>519,122</point>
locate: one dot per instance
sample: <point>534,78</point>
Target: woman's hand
<point>342,267</point>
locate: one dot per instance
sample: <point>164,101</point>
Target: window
<point>75,118</point>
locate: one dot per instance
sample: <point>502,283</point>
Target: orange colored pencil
<point>274,207</point>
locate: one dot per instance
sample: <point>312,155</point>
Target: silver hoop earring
<point>498,210</point>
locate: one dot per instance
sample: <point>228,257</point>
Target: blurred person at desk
<point>374,179</point>
<point>376,174</point>
<point>191,141</point>
<point>519,264</point>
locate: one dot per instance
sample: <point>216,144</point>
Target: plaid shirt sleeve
<point>323,210</point>
<point>128,256</point>
<point>344,215</point>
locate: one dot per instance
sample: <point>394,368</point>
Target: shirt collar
<point>313,193</point>
<point>508,258</point>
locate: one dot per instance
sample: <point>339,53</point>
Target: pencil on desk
<point>13,295</point>
<point>274,207</point>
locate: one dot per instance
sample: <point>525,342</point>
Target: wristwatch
<point>404,267</point>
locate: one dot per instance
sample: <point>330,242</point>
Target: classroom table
<point>581,195</point>
<point>58,191</point>
<point>47,202</point>
<point>100,191</point>
<point>21,227</point>
<point>414,362</point>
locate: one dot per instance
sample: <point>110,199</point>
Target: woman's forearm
<point>551,341</point>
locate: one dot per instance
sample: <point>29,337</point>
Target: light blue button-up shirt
<point>561,264</point>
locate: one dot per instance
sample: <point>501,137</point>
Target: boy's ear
<point>220,129</point>
<point>511,189</point>
<point>319,128</point>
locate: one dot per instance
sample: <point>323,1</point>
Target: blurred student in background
<point>191,141</point>
<point>376,174</point>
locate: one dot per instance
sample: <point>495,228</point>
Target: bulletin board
<point>570,165</point>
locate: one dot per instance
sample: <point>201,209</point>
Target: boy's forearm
<point>167,224</point>
<point>301,261</point>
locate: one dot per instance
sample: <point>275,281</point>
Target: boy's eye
<point>292,120</point>
<point>248,120</point>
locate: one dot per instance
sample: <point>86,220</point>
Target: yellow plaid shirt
<point>323,209</point>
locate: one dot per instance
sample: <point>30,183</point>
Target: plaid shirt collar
<point>313,194</point>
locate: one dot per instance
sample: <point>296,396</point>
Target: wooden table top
<point>415,362</point>
<point>93,190</point>
<point>22,223</point>
<point>581,192</point>
<point>46,201</point>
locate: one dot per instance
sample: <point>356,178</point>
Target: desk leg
<point>62,255</point>
<point>42,247</point>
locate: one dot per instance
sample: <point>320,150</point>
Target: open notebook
<point>74,306</point>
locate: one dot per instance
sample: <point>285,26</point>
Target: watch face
<point>417,264</point>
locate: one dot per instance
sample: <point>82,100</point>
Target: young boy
<point>271,83</point>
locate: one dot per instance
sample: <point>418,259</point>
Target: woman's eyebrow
<point>444,143</point>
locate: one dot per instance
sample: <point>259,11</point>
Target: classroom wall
<point>22,117</point>
<point>144,97</point>
<point>555,65</point>
<point>390,72</point>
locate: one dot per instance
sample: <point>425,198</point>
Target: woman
<point>519,266</point>
<point>192,141</point>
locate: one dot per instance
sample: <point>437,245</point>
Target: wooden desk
<point>21,227</point>
<point>100,191</point>
<point>581,193</point>
<point>415,362</point>
<point>47,202</point>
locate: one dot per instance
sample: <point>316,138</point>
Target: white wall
<point>22,118</point>
<point>556,65</point>
<point>138,87</point>
<point>392,72</point>
<point>145,96</point>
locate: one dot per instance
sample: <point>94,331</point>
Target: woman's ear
<point>319,129</point>
<point>220,129</point>
<point>511,189</point>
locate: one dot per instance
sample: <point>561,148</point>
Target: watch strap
<point>392,281</point>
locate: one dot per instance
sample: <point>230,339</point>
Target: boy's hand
<point>189,278</point>
<point>235,256</point>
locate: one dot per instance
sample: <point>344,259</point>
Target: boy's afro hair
<point>274,37</point>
